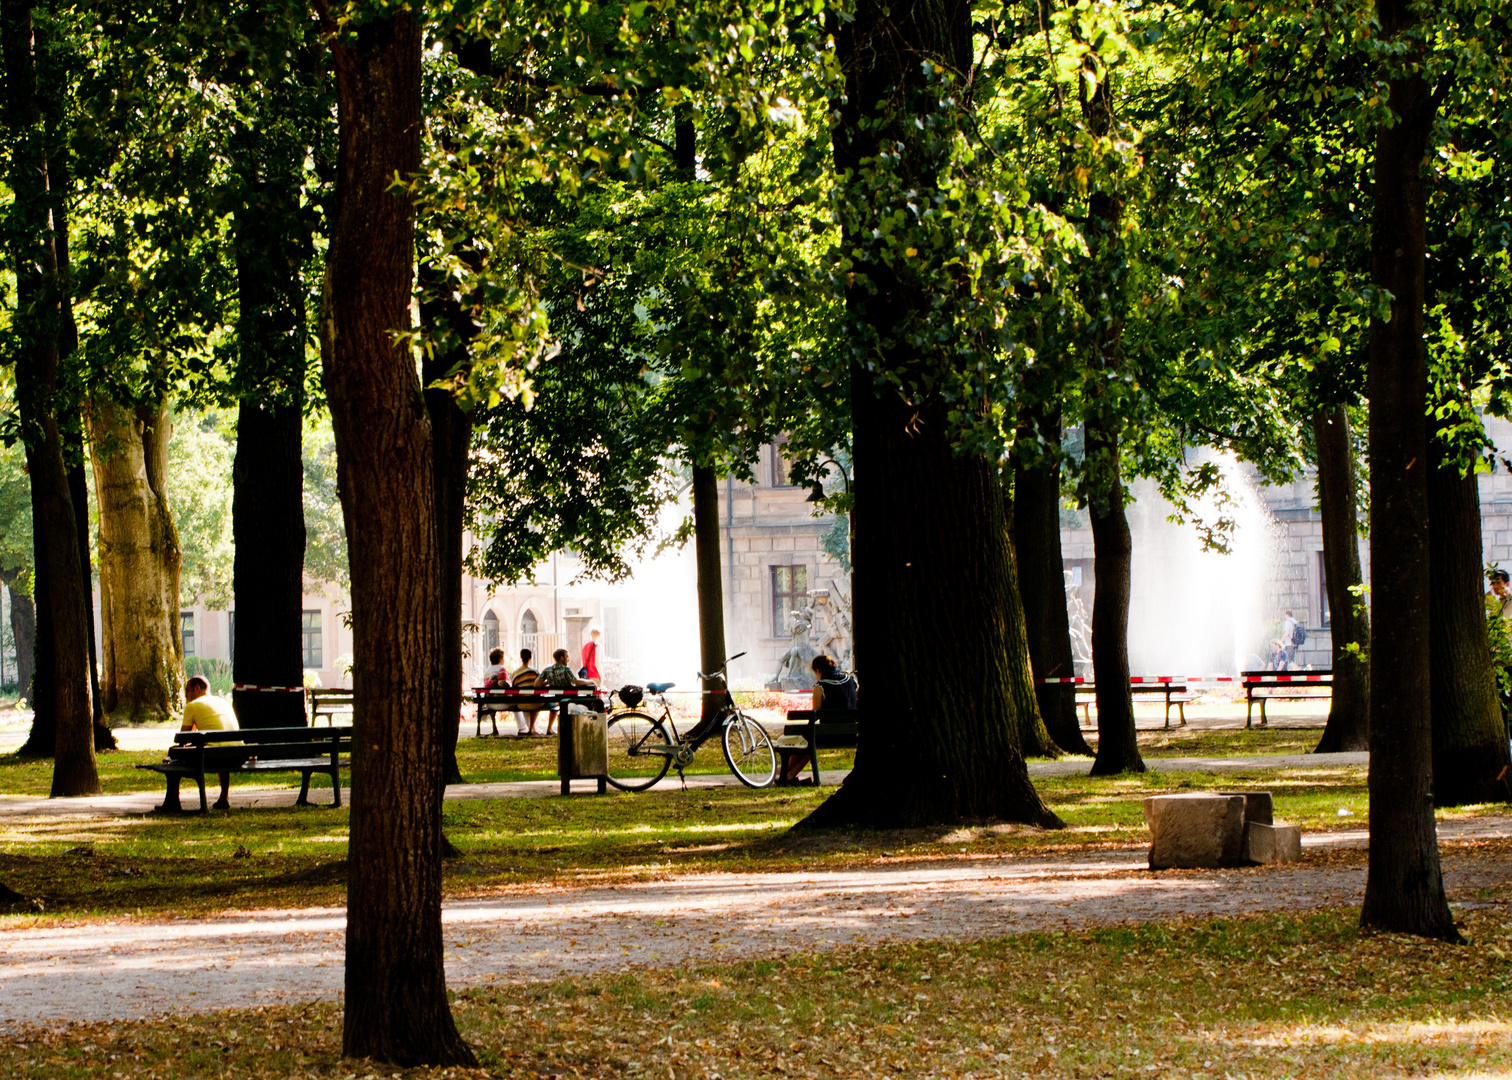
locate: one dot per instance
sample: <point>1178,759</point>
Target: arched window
<point>490,632</point>
<point>530,632</point>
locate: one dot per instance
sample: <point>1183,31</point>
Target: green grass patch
<point>1257,997</point>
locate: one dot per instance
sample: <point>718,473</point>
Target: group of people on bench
<point>556,677</point>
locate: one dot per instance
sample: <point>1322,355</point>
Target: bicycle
<point>641,750</point>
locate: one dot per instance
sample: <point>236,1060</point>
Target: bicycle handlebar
<point>727,663</point>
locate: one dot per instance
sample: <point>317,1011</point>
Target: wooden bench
<point>305,750</point>
<point>1175,693</point>
<point>1263,686</point>
<point>829,729</point>
<point>497,699</point>
<point>330,703</point>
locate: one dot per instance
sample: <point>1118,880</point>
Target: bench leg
<point>814,758</point>
<point>199,778</point>
<point>336,787</point>
<point>1249,708</point>
<point>1168,712</point>
<point>1181,710</point>
<point>171,802</point>
<point>304,788</point>
<point>1262,713</point>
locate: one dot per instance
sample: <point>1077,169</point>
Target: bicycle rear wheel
<point>748,749</point>
<point>638,750</point>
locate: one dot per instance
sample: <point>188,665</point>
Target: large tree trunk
<point>63,692</point>
<point>1348,725</point>
<point>945,744</point>
<point>267,519</point>
<point>142,681</point>
<point>1470,759</point>
<point>711,638</point>
<point>23,620</point>
<point>1041,577</point>
<point>396,1007</point>
<point>267,504</point>
<point>1404,887</point>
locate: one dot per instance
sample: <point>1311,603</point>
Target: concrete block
<point>1195,830</point>
<point>782,543</point>
<point>1258,806</point>
<point>1271,843</point>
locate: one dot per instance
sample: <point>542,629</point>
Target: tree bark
<point>143,675</point>
<point>396,1007</point>
<point>35,228</point>
<point>1042,580</point>
<point>1404,886</point>
<point>78,487</point>
<point>711,637</point>
<point>1470,759</point>
<point>451,431</point>
<point>1348,727</point>
<point>267,502</point>
<point>23,619</point>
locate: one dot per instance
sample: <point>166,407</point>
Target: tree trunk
<point>396,1007</point>
<point>1042,581</point>
<point>1348,725</point>
<point>36,227</point>
<point>78,488</point>
<point>23,620</point>
<point>711,638</point>
<point>267,502</point>
<point>1112,560</point>
<point>143,675</point>
<point>945,744</point>
<point>267,520</point>
<point>1470,759</point>
<point>711,630</point>
<point>451,431</point>
<point>1404,887</point>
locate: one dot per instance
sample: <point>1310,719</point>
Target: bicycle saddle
<point>660,687</point>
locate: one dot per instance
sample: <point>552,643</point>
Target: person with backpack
<point>1293,634</point>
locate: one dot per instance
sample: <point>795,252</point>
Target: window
<point>490,632</point>
<point>186,631</point>
<point>779,462</point>
<point>789,592</point>
<point>1324,613</point>
<point>309,638</point>
<point>530,639</point>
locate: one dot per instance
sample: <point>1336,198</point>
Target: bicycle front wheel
<point>748,749</point>
<point>639,750</point>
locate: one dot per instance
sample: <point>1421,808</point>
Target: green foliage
<point>325,558</point>
<point>200,458</point>
<point>215,671</point>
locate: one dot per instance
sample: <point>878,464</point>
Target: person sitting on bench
<point>525,679</point>
<point>561,677</point>
<point>835,689</point>
<point>204,712</point>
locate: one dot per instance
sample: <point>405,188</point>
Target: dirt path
<point>140,968</point>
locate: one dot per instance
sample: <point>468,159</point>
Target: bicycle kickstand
<point>682,778</point>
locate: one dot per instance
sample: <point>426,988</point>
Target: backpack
<point>1299,636</point>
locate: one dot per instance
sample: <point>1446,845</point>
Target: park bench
<point>305,750</point>
<point>497,699</point>
<point>829,729</point>
<point>1263,686</point>
<point>1174,691</point>
<point>331,703</point>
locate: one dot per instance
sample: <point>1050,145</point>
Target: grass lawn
<point>1254,997</point>
<point>290,856</point>
<point>489,760</point>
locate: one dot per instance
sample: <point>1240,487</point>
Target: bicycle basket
<point>631,695</point>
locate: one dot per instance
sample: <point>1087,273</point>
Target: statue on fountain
<point>793,672</point>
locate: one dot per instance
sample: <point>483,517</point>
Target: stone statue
<point>832,623</point>
<point>793,672</point>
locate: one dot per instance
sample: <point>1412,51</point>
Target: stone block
<point>1258,806</point>
<point>1271,843</point>
<point>1195,830</point>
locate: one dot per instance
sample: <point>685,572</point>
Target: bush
<point>214,671</point>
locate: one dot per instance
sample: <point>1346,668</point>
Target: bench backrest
<point>212,750</point>
<point>508,698</point>
<point>1268,678</point>
<point>263,735</point>
<point>832,728</point>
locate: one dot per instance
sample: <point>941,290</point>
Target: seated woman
<point>835,689</point>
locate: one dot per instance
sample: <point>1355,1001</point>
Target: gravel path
<point>133,968</point>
